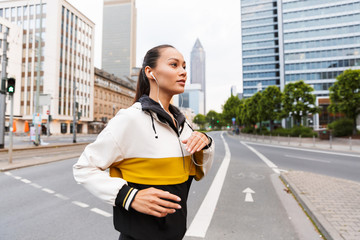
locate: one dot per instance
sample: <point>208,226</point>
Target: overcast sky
<point>179,23</point>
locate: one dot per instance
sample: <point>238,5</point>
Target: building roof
<point>125,82</point>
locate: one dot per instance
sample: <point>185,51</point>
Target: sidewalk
<point>332,203</point>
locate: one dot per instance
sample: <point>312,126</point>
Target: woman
<point>152,152</point>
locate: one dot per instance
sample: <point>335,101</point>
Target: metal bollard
<point>278,139</point>
<point>256,137</point>
<point>350,143</point>
<point>313,141</point>
<point>263,138</point>
<point>288,139</point>
<point>330,141</point>
<point>300,140</point>
<point>270,138</point>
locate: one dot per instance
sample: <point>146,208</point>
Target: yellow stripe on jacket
<point>154,171</point>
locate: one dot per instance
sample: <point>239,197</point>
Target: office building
<point>321,40</point>
<point>67,52</point>
<point>119,37</point>
<point>14,35</point>
<point>192,98</point>
<point>289,40</point>
<point>260,45</point>
<point>197,70</point>
<point>111,94</point>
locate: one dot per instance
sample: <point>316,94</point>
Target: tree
<point>214,119</point>
<point>270,104</point>
<point>250,114</point>
<point>298,101</point>
<point>231,109</point>
<point>345,95</point>
<point>200,120</point>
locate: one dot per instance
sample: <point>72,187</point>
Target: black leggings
<point>125,237</point>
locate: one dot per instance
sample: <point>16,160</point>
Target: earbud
<point>158,90</point>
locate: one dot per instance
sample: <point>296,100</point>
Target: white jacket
<point>139,146</point>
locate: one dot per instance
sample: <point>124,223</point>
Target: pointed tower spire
<point>197,69</point>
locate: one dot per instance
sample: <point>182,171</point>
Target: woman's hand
<point>152,201</point>
<point>196,142</point>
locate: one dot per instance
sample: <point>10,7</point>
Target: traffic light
<point>10,85</point>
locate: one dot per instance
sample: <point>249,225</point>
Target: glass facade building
<point>321,40</point>
<point>119,37</point>
<point>289,40</point>
<point>260,45</point>
<point>65,70</point>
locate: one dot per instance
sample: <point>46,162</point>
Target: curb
<point>328,231</point>
<point>35,163</point>
<point>44,146</point>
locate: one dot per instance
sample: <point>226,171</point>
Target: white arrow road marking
<point>202,219</point>
<point>248,196</point>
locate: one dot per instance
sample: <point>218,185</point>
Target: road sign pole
<point>11,128</point>
<point>48,123</point>
<point>3,90</point>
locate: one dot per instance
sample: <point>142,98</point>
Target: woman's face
<point>170,71</point>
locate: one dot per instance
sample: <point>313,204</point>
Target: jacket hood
<point>148,104</point>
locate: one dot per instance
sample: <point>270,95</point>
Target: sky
<point>179,23</point>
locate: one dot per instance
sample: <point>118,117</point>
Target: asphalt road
<point>334,164</point>
<point>44,202</point>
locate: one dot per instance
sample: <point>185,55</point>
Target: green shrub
<point>295,132</point>
<point>263,130</point>
<point>341,127</point>
<point>248,130</point>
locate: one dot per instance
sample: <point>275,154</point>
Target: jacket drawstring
<point>153,125</point>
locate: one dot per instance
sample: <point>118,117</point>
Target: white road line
<point>17,178</point>
<point>202,219</point>
<point>101,212</point>
<point>48,190</point>
<point>8,173</point>
<point>308,159</point>
<point>61,196</point>
<point>80,204</point>
<point>35,185</point>
<point>265,160</point>
<point>306,150</point>
<point>25,180</point>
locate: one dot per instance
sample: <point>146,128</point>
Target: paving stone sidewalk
<point>333,203</point>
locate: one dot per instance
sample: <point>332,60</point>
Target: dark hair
<point>150,59</point>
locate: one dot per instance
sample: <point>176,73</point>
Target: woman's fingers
<point>196,142</point>
<point>155,202</point>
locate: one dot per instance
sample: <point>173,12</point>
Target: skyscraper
<point>290,40</point>
<point>321,40</point>
<point>197,68</point>
<point>119,37</point>
<point>260,45</point>
<point>67,53</point>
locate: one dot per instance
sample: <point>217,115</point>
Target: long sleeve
<point>204,160</point>
<point>90,168</point>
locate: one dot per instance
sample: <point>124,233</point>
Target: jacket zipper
<point>178,137</point>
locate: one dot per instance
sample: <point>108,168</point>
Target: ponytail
<point>150,59</point>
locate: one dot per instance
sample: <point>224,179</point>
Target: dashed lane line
<point>80,204</point>
<point>48,190</point>
<point>58,195</point>
<point>101,212</point>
